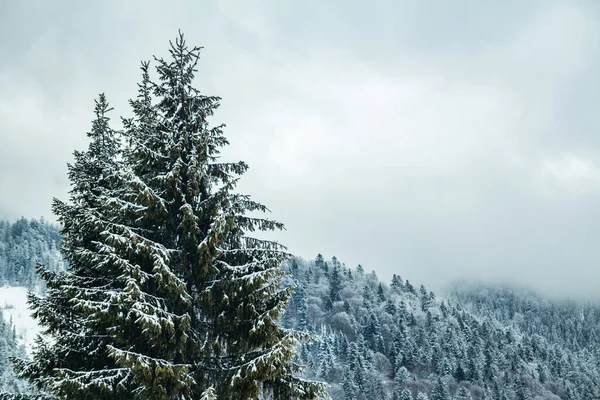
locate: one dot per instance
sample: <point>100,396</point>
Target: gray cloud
<point>435,141</point>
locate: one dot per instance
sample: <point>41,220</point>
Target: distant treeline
<point>402,342</point>
<point>24,242</point>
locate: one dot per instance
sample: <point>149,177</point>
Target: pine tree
<point>460,374</point>
<point>234,280</point>
<point>347,306</point>
<point>390,307</point>
<point>409,287</point>
<point>175,297</point>
<point>335,283</point>
<point>357,366</point>
<point>425,299</point>
<point>294,267</point>
<point>444,309</point>
<point>326,359</point>
<point>490,370</point>
<point>380,294</point>
<point>445,367</point>
<point>367,298</point>
<point>77,363</point>
<point>348,385</point>
<point>302,316</point>
<point>397,283</point>
<point>372,332</point>
<point>402,375</point>
<point>320,263</point>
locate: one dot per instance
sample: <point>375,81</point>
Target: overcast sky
<point>437,140</point>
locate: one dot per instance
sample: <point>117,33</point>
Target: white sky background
<point>438,140</point>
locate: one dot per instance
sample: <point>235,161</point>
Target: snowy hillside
<point>13,302</point>
<point>381,341</point>
<point>22,245</point>
<point>401,342</point>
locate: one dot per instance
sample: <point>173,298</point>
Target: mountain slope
<point>380,340</point>
<point>377,341</point>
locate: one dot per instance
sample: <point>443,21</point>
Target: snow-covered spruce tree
<point>235,343</point>
<point>171,297</point>
<point>75,363</point>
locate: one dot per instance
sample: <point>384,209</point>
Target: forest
<point>391,341</point>
<point>23,244</point>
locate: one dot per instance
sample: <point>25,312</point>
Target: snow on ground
<point>13,302</point>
